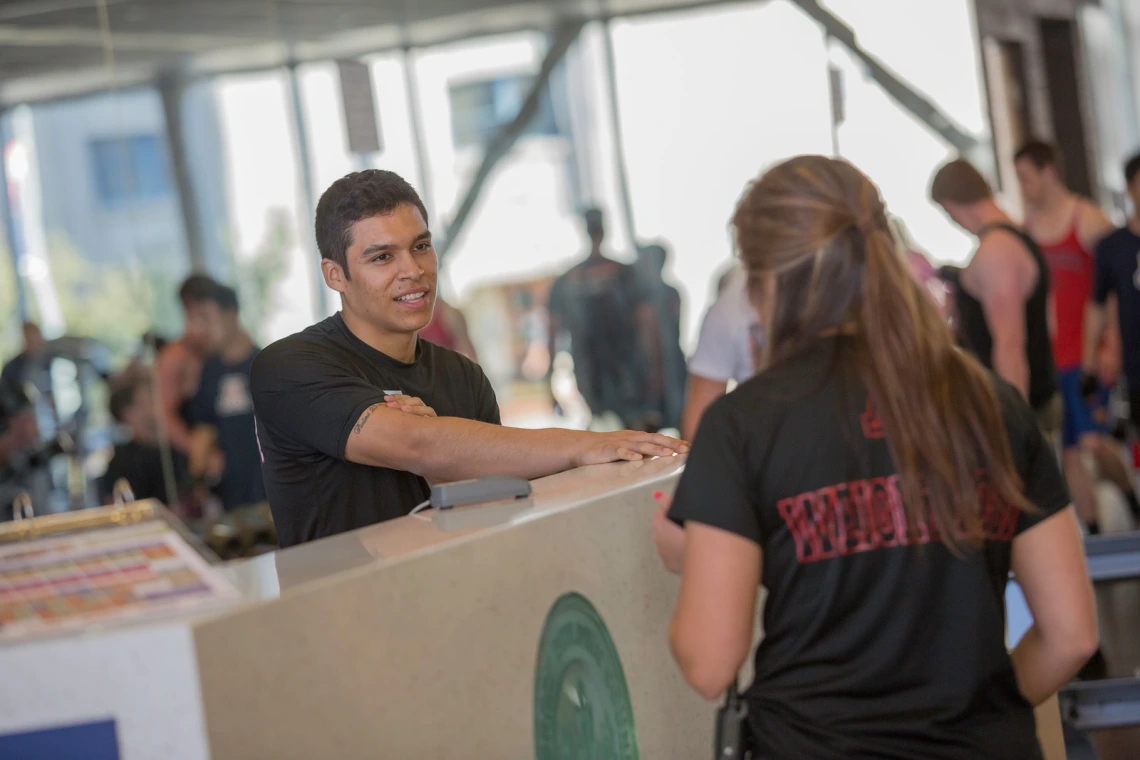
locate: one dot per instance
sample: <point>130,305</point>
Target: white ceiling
<point>57,48</point>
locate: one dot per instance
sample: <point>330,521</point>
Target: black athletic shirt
<point>876,645</point>
<point>1118,271</point>
<point>975,333</point>
<point>223,401</point>
<point>310,389</point>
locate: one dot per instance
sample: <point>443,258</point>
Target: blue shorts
<point>1080,418</point>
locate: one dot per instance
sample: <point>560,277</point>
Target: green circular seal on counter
<point>581,702</point>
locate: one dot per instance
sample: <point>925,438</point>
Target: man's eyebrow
<point>380,247</point>
<point>377,248</point>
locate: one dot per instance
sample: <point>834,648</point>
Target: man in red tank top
<point>1068,228</point>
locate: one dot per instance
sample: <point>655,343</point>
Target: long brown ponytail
<point>814,236</point>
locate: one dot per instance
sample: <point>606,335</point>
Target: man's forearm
<point>1094,330</point>
<point>450,448</point>
<point>1012,365</point>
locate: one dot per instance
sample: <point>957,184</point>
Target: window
<point>479,109</point>
<point>130,169</point>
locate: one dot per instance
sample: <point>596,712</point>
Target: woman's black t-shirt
<point>879,642</point>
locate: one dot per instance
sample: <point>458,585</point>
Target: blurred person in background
<point>614,338</point>
<point>666,302</point>
<point>1001,297</point>
<point>15,372</point>
<point>1118,274</point>
<point>886,637</point>
<point>448,328</point>
<point>21,468</point>
<point>179,363</point>
<point>727,350</point>
<point>138,458</point>
<point>1068,229</point>
<point>223,440</point>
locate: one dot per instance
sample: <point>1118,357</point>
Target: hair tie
<point>867,225</point>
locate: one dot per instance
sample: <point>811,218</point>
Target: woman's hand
<point>668,537</point>
<point>409,404</point>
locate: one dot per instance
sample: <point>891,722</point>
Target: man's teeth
<point>412,297</point>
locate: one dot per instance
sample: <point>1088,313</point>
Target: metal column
<point>411,85</point>
<point>9,221</point>
<point>305,167</point>
<point>615,126</point>
<point>505,138</point>
<point>171,87</point>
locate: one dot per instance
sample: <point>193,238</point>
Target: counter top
<point>271,575</point>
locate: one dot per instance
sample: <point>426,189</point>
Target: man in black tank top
<point>1002,295</point>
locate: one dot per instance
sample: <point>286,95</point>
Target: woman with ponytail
<point>881,484</point>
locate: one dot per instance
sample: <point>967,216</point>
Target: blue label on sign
<point>83,741</point>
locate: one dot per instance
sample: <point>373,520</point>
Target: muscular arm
<point>998,278</point>
<point>1092,225</point>
<point>449,448</point>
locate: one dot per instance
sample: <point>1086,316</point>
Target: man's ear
<point>334,275</point>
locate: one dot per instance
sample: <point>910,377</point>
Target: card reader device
<point>493,488</point>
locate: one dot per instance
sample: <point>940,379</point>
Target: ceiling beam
<point>563,37</point>
<point>133,42</point>
<point>900,91</point>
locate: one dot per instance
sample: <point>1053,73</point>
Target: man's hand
<point>409,404</point>
<point>668,537</point>
<point>626,445</point>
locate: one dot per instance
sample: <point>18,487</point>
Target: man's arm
<point>702,392</point>
<point>1095,323</point>
<point>1092,225</point>
<point>998,279</point>
<point>649,331</point>
<point>449,448</point>
<point>458,326</point>
<point>1096,318</point>
<point>172,368</point>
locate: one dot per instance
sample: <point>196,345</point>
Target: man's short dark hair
<point>959,182</point>
<point>123,398</point>
<point>1131,169</point>
<point>197,289</point>
<point>356,196</point>
<point>1039,153</point>
<point>227,298</point>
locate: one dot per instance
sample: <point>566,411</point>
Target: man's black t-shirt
<point>310,389</point>
<point>1118,271</point>
<point>879,642</point>
<point>223,401</point>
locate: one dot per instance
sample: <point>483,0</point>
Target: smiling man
<point>355,414</point>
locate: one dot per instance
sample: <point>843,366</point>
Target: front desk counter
<point>527,629</point>
<point>416,638</point>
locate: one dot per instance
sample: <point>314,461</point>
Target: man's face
<point>1034,182</point>
<point>392,268</point>
<point>205,328</point>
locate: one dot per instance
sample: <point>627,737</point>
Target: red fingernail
<point>658,495</point>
